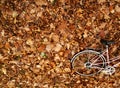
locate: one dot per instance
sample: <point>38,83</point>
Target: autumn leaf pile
<point>38,38</point>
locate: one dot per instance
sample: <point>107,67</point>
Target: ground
<point>38,38</point>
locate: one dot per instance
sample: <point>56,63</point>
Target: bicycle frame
<point>108,60</point>
<point>96,61</point>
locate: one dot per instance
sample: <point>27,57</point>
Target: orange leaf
<point>62,27</point>
<point>41,48</point>
<point>7,45</point>
<point>102,34</point>
<point>111,8</point>
<point>66,53</point>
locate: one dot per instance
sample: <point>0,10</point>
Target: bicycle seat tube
<point>107,53</point>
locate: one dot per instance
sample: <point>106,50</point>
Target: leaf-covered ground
<point>38,38</point>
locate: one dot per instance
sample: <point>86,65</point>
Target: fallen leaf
<point>57,47</point>
<point>27,28</point>
<point>40,2</point>
<point>49,47</point>
<point>111,9</point>
<point>85,34</point>
<point>52,26</point>
<point>2,33</point>
<point>36,70</point>
<point>52,64</point>
<point>11,84</point>
<point>15,14</point>
<point>1,45</point>
<point>117,8</point>
<point>7,45</point>
<point>67,52</point>
<point>67,70</point>
<point>102,34</point>
<point>41,48</point>
<point>62,27</point>
<point>102,25</point>
<point>55,38</point>
<point>29,42</point>
<point>101,1</point>
<point>4,71</point>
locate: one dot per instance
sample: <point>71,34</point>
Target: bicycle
<point>90,62</point>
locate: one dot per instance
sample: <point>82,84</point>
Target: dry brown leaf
<point>48,33</point>
<point>58,70</point>
<point>27,28</point>
<point>102,25</point>
<point>1,57</point>
<point>11,84</point>
<point>55,37</point>
<point>117,8</point>
<point>52,26</point>
<point>111,9</point>
<point>35,70</point>
<point>40,2</point>
<point>15,14</point>
<point>57,47</point>
<point>114,48</point>
<point>4,71</point>
<point>29,42</point>
<point>67,69</point>
<point>102,34</point>
<point>52,64</point>
<point>1,45</point>
<point>72,27</point>
<point>49,47</point>
<point>101,1</point>
<point>62,27</point>
<point>41,48</point>
<point>2,33</point>
<point>38,66</point>
<point>7,45</point>
<point>67,52</point>
<point>85,34</point>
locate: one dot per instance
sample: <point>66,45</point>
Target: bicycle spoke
<point>96,60</point>
<point>87,63</point>
<point>88,56</point>
<point>79,61</point>
<point>93,58</point>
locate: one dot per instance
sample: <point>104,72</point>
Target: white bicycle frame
<point>108,60</point>
<point>101,60</point>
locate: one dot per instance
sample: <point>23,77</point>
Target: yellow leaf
<point>4,70</point>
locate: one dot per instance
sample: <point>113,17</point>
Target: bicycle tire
<point>99,60</point>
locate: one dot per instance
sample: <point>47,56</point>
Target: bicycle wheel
<point>88,62</point>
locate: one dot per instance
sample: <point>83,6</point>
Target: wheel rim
<point>87,63</point>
